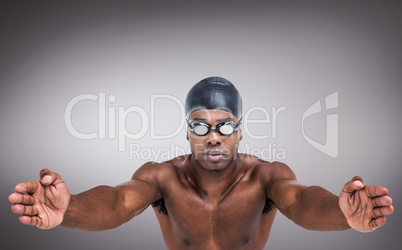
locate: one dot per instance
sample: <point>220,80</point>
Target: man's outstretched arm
<point>315,208</point>
<point>47,203</point>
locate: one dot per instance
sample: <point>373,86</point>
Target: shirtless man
<point>214,198</point>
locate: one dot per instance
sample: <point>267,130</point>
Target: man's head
<point>213,111</point>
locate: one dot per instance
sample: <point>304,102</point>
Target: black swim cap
<point>214,93</point>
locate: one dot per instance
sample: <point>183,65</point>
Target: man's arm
<point>104,207</point>
<point>100,208</point>
<point>315,208</point>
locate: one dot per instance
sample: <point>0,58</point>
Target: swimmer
<point>213,198</point>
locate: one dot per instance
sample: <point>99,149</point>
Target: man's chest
<point>235,218</point>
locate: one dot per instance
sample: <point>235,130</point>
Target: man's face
<point>213,151</point>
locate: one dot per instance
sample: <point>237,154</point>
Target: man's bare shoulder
<point>180,161</point>
<point>268,170</point>
<point>162,170</point>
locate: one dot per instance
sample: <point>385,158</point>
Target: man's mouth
<point>214,155</point>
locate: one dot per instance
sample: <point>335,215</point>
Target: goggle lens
<point>200,129</point>
<point>226,128</point>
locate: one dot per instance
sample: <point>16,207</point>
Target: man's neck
<point>214,184</point>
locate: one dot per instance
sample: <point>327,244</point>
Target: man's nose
<point>214,138</point>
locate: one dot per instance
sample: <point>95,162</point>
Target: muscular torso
<point>241,219</point>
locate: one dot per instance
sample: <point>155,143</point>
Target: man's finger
<point>382,211</point>
<point>383,201</point>
<point>378,222</point>
<point>374,191</point>
<point>33,221</point>
<point>25,210</point>
<point>17,198</point>
<point>355,184</point>
<point>48,177</point>
<point>27,187</point>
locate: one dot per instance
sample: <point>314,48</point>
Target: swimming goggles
<point>224,128</point>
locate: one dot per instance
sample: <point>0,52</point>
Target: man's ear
<point>241,135</point>
<point>187,136</point>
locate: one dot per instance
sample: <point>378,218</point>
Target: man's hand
<point>365,206</point>
<point>41,203</point>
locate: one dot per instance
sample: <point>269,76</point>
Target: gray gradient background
<point>278,53</point>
